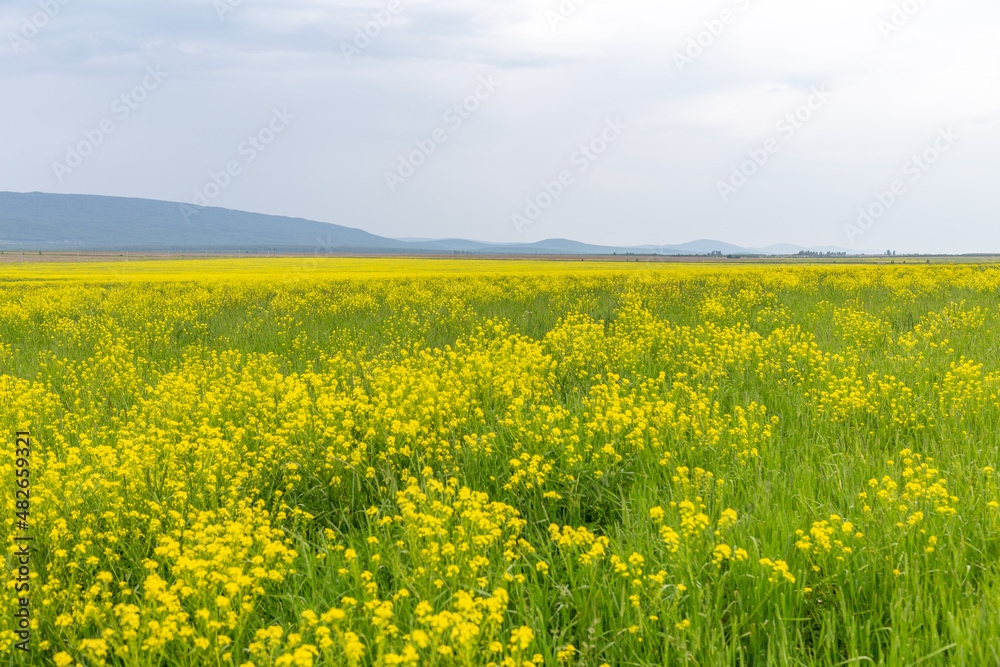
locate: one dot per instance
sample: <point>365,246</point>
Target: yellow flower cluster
<point>443,545</point>
<point>591,548</point>
<point>917,485</point>
<point>777,570</point>
<point>385,462</point>
<point>828,537</point>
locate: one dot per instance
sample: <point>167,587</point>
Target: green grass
<point>852,365</point>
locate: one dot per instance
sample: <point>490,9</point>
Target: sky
<point>860,124</point>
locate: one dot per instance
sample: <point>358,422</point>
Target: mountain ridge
<point>48,221</point>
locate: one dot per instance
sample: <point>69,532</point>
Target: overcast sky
<point>626,122</point>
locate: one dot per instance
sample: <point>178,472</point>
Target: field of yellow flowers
<point>391,462</point>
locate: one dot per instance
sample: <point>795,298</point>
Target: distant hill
<point>42,221</point>
<point>706,246</point>
<point>51,221</point>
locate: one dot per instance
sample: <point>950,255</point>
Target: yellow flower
<point>522,637</point>
<point>566,653</point>
<point>353,648</point>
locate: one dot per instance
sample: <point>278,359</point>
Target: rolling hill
<point>43,221</point>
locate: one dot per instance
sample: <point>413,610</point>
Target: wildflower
<point>522,637</point>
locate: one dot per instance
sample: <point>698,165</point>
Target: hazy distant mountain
<point>54,222</point>
<point>41,221</point>
<point>706,246</point>
<point>700,247</point>
<point>788,249</point>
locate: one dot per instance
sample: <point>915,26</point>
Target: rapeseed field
<point>400,462</point>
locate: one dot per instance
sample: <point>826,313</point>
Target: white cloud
<point>657,185</point>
